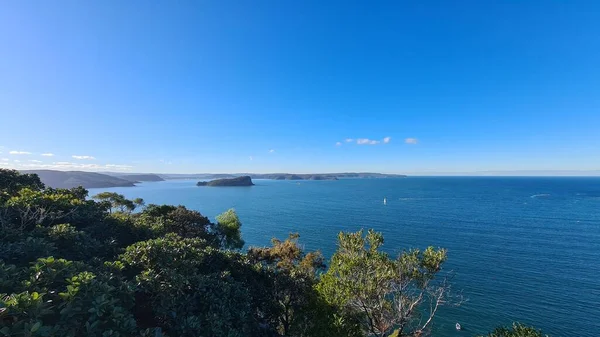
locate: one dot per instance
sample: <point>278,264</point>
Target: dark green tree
<point>11,182</point>
<point>295,274</point>
<point>117,202</point>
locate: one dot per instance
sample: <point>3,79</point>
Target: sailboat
<point>384,201</point>
<point>458,327</point>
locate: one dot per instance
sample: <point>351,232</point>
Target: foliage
<point>117,202</point>
<point>183,283</point>
<point>293,293</point>
<point>387,295</point>
<point>516,330</point>
<point>228,230</point>
<point>12,181</point>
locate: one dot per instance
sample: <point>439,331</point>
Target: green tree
<point>117,202</point>
<point>516,330</point>
<point>387,294</point>
<point>295,274</point>
<point>188,288</point>
<point>139,202</point>
<point>12,181</point>
<point>228,230</point>
<point>29,208</point>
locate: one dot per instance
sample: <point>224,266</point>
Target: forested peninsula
<point>238,181</point>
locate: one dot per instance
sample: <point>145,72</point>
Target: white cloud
<point>19,152</point>
<point>35,161</point>
<point>271,151</point>
<point>4,159</point>
<point>411,141</point>
<point>338,144</point>
<point>119,167</point>
<point>83,157</point>
<point>251,158</point>
<point>387,140</point>
<point>67,166</point>
<point>47,154</point>
<point>17,161</point>
<point>349,140</point>
<point>366,141</point>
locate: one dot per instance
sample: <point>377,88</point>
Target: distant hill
<point>296,176</point>
<point>322,176</point>
<point>134,178</point>
<point>284,176</point>
<point>239,181</point>
<point>69,179</point>
<point>172,176</point>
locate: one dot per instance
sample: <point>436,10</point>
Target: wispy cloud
<point>48,154</point>
<point>366,141</point>
<point>17,161</point>
<point>64,166</point>
<point>412,141</point>
<point>119,167</point>
<point>4,159</point>
<point>19,152</point>
<point>251,158</point>
<point>83,157</point>
<point>34,161</point>
<point>271,151</point>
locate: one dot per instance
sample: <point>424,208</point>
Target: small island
<point>238,181</point>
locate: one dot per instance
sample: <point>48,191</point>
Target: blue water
<point>525,249</point>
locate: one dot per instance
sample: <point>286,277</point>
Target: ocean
<point>522,248</point>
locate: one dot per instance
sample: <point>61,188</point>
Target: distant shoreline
<point>70,179</point>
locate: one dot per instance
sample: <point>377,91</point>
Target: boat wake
<point>543,195</point>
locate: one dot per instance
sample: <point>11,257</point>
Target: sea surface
<point>522,249</point>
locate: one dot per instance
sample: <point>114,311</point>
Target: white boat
<point>458,327</point>
<point>384,201</point>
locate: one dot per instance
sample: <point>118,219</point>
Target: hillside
<point>69,179</point>
<point>139,177</point>
<point>296,177</point>
<point>284,176</point>
<point>239,181</point>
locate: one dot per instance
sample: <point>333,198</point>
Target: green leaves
<point>516,330</point>
<point>228,230</point>
<point>11,182</point>
<point>118,202</point>
<point>384,293</point>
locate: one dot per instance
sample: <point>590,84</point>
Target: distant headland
<point>238,181</point>
<point>285,176</point>
<point>68,179</point>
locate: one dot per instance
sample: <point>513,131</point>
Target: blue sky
<point>279,86</point>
